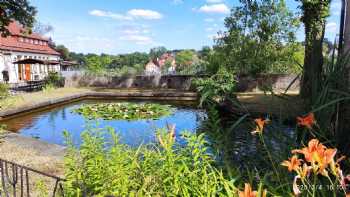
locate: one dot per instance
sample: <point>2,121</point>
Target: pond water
<point>49,125</point>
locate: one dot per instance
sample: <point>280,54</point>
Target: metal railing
<point>15,180</point>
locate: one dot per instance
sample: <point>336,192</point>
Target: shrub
<point>55,79</point>
<point>217,87</point>
<point>4,90</point>
<point>48,88</point>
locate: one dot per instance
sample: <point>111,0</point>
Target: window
<point>26,40</point>
<point>20,39</point>
<point>31,41</point>
<point>36,42</point>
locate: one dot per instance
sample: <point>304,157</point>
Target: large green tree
<point>314,14</point>
<point>16,10</point>
<point>157,52</point>
<point>185,58</point>
<point>259,38</point>
<point>64,51</point>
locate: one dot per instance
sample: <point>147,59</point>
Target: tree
<point>314,14</point>
<point>157,52</point>
<point>184,58</point>
<point>97,64</point>
<point>64,51</point>
<point>258,33</point>
<point>16,10</point>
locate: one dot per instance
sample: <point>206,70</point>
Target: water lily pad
<point>124,111</point>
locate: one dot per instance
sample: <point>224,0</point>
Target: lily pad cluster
<point>124,111</point>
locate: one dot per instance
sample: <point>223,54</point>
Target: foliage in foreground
<point>4,90</point>
<point>124,111</point>
<point>104,167</point>
<point>165,169</point>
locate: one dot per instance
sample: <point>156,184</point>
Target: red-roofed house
<point>20,45</point>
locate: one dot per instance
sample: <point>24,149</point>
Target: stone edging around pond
<point>174,96</point>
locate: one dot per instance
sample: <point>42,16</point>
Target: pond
<point>48,125</point>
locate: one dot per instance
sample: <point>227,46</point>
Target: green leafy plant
<point>48,88</point>
<point>216,88</point>
<point>54,79</point>
<point>124,111</point>
<point>99,168</point>
<point>4,90</point>
<point>41,188</point>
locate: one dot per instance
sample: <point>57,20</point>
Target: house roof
<point>36,61</point>
<point>13,43</point>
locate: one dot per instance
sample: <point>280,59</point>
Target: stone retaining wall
<point>162,95</point>
<point>278,82</point>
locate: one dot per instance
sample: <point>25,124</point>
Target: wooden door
<point>27,72</point>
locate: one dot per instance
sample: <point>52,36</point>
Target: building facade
<point>20,45</point>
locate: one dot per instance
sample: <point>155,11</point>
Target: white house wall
<point>38,72</point>
<point>2,66</point>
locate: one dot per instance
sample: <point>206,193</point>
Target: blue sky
<point>123,26</point>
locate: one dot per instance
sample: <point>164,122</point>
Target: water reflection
<point>48,125</point>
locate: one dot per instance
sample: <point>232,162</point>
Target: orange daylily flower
<point>307,121</point>
<point>314,146</point>
<point>318,155</point>
<point>293,163</point>
<point>248,192</point>
<point>260,123</point>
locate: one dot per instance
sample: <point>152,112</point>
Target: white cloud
<point>112,15</point>
<point>209,20</point>
<point>138,39</point>
<point>88,44</point>
<point>130,15</point>
<point>215,8</point>
<point>331,27</point>
<point>214,1</point>
<point>134,29</point>
<point>145,14</point>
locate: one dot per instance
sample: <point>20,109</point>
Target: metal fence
<point>15,180</point>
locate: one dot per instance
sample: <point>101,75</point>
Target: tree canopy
<point>157,52</point>
<point>16,10</point>
<point>260,37</point>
